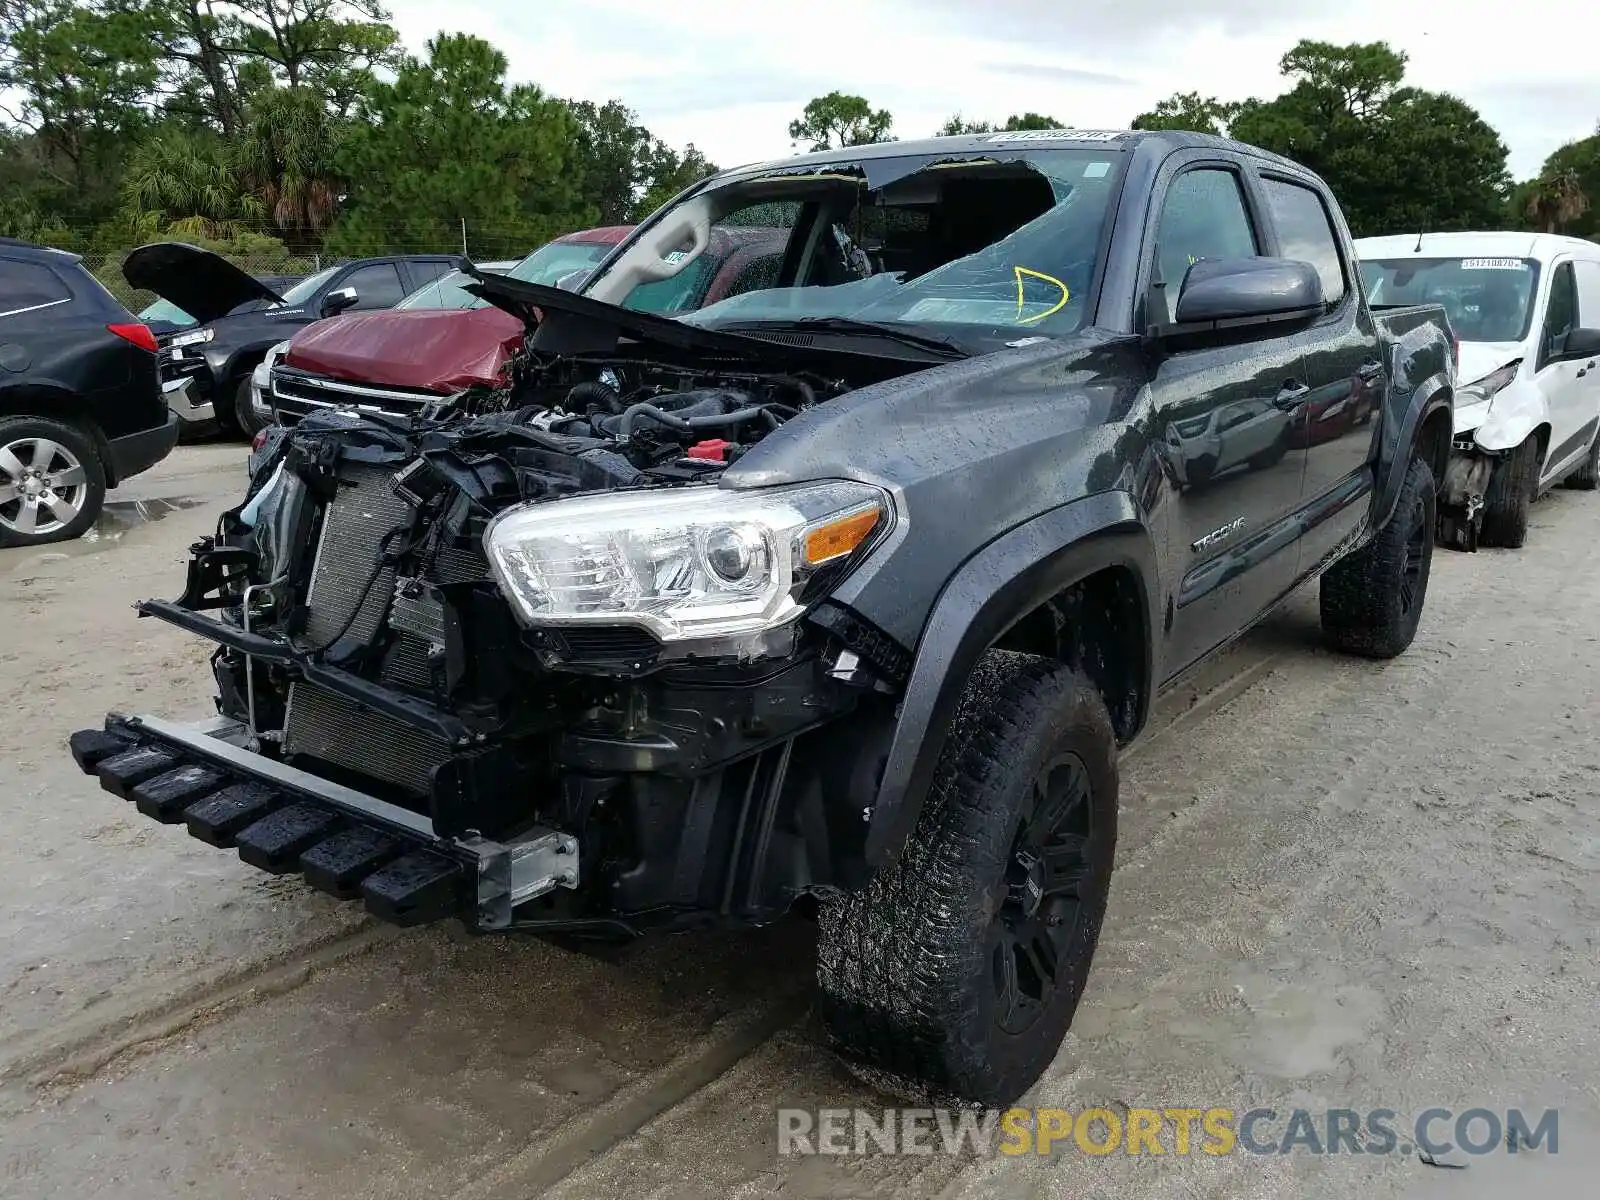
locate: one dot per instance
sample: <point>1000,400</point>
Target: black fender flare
<point>1395,453</point>
<point>990,592</point>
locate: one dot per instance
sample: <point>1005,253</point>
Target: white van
<point>1526,308</point>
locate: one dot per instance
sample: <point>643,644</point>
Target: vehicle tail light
<point>260,439</point>
<point>139,335</point>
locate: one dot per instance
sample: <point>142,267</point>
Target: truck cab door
<point>1568,402</point>
<point>1224,421</point>
<point>1344,369</point>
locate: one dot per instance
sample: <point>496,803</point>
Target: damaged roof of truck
<point>883,162</point>
<point>1000,145</point>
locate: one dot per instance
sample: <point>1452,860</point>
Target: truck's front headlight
<point>193,337</point>
<point>685,563</point>
<point>262,375</point>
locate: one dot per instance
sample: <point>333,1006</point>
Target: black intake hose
<point>637,412</point>
<point>591,392</point>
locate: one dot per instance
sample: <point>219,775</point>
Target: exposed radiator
<point>326,726</point>
<point>353,529</point>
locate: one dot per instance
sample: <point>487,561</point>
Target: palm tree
<point>186,184</point>
<point>1556,200</point>
<point>287,155</point>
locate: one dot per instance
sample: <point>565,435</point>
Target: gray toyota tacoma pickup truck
<point>840,594</point>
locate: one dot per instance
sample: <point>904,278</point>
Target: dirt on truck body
<point>841,591</point>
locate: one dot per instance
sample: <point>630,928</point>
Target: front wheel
<point>1510,496</point>
<point>52,483</point>
<point>1372,600</point>
<point>957,970</point>
<point>244,412</point>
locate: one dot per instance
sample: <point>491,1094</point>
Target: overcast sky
<point>729,77</point>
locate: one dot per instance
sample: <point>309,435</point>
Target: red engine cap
<point>710,450</point>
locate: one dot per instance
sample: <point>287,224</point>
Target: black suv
<point>80,406</point>
<point>206,368</point>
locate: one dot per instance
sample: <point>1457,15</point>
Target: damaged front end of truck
<point>529,666</point>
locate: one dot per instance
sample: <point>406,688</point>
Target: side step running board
<point>345,842</point>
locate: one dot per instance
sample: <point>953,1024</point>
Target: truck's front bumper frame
<point>345,842</point>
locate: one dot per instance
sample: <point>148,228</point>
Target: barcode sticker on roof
<point>1051,135</point>
<point>1493,264</point>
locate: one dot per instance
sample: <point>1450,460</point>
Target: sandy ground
<point>1340,884</point>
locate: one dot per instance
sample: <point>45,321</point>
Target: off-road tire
<point>81,446</point>
<point>1587,477</point>
<point>225,407</point>
<point>1510,495</point>
<point>1372,600</point>
<point>911,968</point>
<point>243,414</point>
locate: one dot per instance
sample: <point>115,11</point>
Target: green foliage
<point>449,141</point>
<point>188,184</point>
<point>1016,122</point>
<point>671,172</point>
<point>1397,157</point>
<point>1190,112</point>
<point>288,154</point>
<point>84,73</point>
<point>840,120</point>
<point>1563,196</point>
<point>626,172</point>
<point>331,46</point>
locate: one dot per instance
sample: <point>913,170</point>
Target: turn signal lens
<point>840,536</point>
<point>139,335</point>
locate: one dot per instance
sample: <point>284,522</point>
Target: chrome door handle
<point>1370,371</point>
<point>1290,396</point>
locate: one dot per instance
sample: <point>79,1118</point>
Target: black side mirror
<point>1582,343</point>
<point>1221,295</point>
<point>335,303</point>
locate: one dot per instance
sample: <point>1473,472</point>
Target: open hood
<point>203,284</point>
<point>561,322</point>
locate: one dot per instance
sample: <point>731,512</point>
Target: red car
<point>441,339</point>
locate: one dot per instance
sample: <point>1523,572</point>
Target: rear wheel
<point>957,970</point>
<point>1587,477</point>
<point>1372,600</point>
<point>1510,496</point>
<point>52,483</point>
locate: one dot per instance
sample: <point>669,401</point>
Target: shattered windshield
<point>1487,299</point>
<point>970,248</point>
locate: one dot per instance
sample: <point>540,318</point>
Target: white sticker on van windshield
<point>1493,264</point>
<point>1096,170</point>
